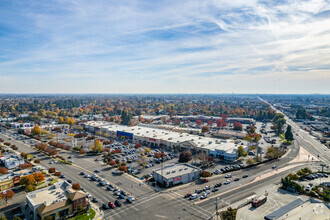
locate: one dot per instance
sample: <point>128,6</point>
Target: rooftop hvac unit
<point>173,171</point>
<point>186,168</point>
<point>147,131</point>
<point>200,137</point>
<point>168,173</point>
<point>180,170</point>
<point>153,130</point>
<point>192,139</point>
<point>139,128</point>
<point>181,135</point>
<point>210,142</point>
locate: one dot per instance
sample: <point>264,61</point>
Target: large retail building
<point>155,137</point>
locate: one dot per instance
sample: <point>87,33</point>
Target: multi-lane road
<point>306,140</point>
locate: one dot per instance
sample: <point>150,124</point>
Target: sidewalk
<point>98,212</point>
<point>304,156</point>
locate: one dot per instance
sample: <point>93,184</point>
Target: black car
<point>105,206</point>
<point>62,176</point>
<point>69,181</point>
<point>118,203</point>
<point>198,191</point>
<point>96,171</point>
<point>109,188</point>
<point>218,185</point>
<point>123,193</point>
<point>215,189</point>
<point>82,189</point>
<point>82,173</point>
<point>236,179</point>
<point>95,200</point>
<point>244,176</point>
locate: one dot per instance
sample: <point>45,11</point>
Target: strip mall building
<point>155,137</point>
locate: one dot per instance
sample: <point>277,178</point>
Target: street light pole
<point>216,207</point>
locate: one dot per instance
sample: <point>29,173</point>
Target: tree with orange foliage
<point>51,170</point>
<point>7,195</point>
<point>123,168</point>
<point>76,186</point>
<point>3,170</point>
<point>205,129</point>
<point>112,163</point>
<point>27,180</point>
<point>38,176</point>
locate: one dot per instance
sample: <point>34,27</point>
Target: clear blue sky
<point>172,46</point>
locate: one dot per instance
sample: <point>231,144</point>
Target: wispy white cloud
<point>165,46</point>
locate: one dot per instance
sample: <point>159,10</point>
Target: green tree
<point>241,152</point>
<point>250,161</point>
<point>288,133</point>
<point>279,125</point>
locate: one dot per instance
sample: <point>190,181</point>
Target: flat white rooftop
<point>174,170</point>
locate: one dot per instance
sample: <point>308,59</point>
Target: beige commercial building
<point>55,202</point>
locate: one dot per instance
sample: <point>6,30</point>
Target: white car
<point>227,182</point>
<point>87,176</point>
<point>228,176</point>
<point>131,198</point>
<point>89,195</point>
<point>207,192</point>
<point>193,196</point>
<point>204,196</point>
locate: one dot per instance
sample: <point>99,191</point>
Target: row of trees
<point>44,147</point>
<point>67,120</point>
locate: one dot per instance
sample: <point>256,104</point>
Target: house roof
<point>77,195</point>
<point>48,208</point>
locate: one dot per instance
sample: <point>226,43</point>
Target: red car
<point>111,205</point>
<point>187,195</point>
<point>205,180</point>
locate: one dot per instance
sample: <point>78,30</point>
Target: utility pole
<point>216,208</point>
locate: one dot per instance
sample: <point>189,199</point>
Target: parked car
<point>244,176</point>
<point>96,171</point>
<point>105,206</point>
<point>187,195</point>
<point>228,176</point>
<point>215,189</point>
<point>118,203</point>
<point>82,173</point>
<point>111,205</point>
<point>274,166</point>
<point>198,191</point>
<point>236,179</point>
<point>193,196</point>
<point>95,200</point>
